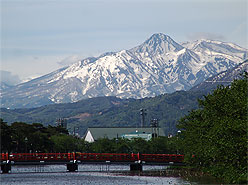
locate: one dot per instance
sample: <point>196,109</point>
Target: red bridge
<point>73,159</point>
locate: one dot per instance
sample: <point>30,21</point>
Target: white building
<point>94,133</point>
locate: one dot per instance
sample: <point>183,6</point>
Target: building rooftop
<point>94,133</point>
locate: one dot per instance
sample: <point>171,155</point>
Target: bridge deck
<point>74,159</point>
<point>90,162</point>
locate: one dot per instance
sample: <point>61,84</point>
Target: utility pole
<point>155,127</point>
<point>74,130</point>
<point>62,122</point>
<point>143,114</point>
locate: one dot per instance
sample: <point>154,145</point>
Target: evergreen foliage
<point>23,137</point>
<point>216,133</point>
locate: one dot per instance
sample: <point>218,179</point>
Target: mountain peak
<point>158,43</point>
<point>160,36</point>
<point>157,66</point>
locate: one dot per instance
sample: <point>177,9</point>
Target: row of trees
<point>160,145</point>
<point>216,133</point>
<point>23,137</point>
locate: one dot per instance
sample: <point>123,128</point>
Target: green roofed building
<point>94,133</point>
<point>145,136</point>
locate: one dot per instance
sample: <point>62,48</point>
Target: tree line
<point>22,137</point>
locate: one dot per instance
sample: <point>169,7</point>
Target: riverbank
<point>188,174</point>
<point>195,175</point>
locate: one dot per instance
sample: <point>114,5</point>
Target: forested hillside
<point>110,111</point>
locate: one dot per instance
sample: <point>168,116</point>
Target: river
<point>86,174</point>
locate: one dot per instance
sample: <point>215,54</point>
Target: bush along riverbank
<point>207,175</point>
<point>193,174</point>
<point>189,174</point>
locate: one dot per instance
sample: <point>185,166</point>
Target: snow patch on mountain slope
<point>159,65</point>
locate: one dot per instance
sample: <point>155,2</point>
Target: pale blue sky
<point>40,36</point>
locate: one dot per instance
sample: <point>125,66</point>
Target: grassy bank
<point>206,175</point>
<point>187,173</point>
<point>193,174</point>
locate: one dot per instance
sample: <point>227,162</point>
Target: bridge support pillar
<point>6,167</point>
<point>72,167</point>
<point>136,167</point>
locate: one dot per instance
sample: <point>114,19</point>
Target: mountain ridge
<point>158,65</point>
<point>224,78</point>
<point>113,111</point>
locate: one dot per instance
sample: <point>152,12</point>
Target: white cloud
<point>69,60</point>
<point>205,35</point>
<point>9,78</point>
<point>30,78</point>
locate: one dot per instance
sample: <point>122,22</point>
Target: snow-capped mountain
<point>4,86</point>
<point>209,48</point>
<point>159,65</point>
<point>224,78</point>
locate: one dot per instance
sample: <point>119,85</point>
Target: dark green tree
<point>216,134</point>
<point>6,138</point>
<point>122,146</point>
<point>159,145</point>
<point>21,133</point>
<point>139,145</point>
<point>104,145</point>
<point>23,137</point>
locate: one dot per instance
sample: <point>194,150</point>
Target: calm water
<point>87,174</point>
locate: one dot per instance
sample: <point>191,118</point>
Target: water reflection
<point>87,174</point>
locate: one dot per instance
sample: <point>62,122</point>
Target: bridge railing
<point>37,157</point>
<point>92,157</point>
<point>106,157</point>
<point>162,157</point>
